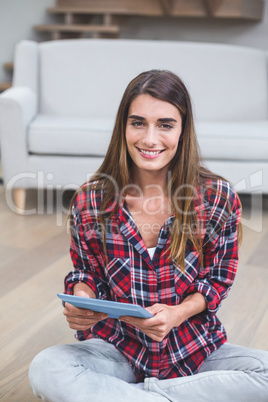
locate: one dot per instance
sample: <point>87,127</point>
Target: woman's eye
<point>137,123</point>
<point>166,125</point>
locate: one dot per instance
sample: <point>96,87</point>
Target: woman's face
<point>153,130</point>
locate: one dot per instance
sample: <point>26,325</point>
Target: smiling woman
<point>176,173</point>
<point>152,133</point>
<point>155,228</point>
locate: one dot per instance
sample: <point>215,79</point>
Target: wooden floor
<point>34,259</point>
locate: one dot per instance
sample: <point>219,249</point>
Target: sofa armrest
<point>18,107</point>
<point>21,98</point>
<point>26,65</point>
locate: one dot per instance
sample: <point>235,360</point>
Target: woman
<point>154,228</point>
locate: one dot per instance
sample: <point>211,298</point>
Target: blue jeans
<point>94,370</point>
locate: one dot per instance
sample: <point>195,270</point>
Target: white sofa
<point>56,120</point>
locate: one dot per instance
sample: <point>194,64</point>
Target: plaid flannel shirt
<point>130,276</point>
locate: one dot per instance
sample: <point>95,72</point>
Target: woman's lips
<point>150,154</point>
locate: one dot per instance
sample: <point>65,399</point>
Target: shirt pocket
<point>118,272</point>
<point>181,282</point>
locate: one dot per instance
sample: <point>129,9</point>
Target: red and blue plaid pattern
<point>130,276</point>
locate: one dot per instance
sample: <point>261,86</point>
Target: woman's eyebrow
<point>162,120</point>
<point>134,116</point>
<point>167,119</point>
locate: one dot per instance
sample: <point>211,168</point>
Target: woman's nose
<point>150,137</point>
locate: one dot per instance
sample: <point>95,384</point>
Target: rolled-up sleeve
<point>220,255</point>
<point>86,256</point>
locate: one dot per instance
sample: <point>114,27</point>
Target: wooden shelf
<point>5,85</point>
<point>9,66</point>
<point>100,11</point>
<point>125,7</point>
<point>96,30</point>
<point>113,29</point>
<point>229,9</point>
<point>235,9</point>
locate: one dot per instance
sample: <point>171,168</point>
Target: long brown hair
<point>186,168</point>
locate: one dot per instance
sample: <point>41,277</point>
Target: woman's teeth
<point>150,152</point>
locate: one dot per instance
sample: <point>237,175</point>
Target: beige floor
<point>34,259</point>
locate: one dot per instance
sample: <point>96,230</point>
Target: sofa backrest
<point>87,77</point>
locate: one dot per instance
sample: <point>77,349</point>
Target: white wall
<point>239,32</point>
<point>18,16</point>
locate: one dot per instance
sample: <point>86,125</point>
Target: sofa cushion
<point>53,135</point>
<point>245,140</point>
<point>87,77</point>
<point>76,136</point>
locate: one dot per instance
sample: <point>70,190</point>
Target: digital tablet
<point>112,308</point>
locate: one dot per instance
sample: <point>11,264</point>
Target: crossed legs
<point>95,370</point>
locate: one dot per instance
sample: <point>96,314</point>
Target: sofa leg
<point>19,195</point>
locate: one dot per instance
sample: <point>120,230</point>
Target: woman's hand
<point>165,318</point>
<point>78,318</point>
